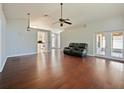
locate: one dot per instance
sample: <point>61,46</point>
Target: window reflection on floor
<point>41,62</point>
<point>102,65</point>
<point>54,63</point>
<point>108,70</point>
<point>117,65</point>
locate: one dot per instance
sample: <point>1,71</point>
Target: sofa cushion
<point>71,44</point>
<point>82,45</point>
<point>76,52</point>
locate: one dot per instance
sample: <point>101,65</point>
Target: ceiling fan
<point>62,20</point>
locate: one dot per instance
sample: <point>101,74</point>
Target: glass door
<point>117,44</point>
<point>110,45</point>
<point>55,40</point>
<point>100,44</point>
<point>41,42</point>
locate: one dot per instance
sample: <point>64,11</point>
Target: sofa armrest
<point>84,52</point>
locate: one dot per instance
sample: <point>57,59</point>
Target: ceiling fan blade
<point>67,19</point>
<point>60,19</point>
<point>68,22</point>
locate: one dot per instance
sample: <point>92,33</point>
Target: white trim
<point>115,30</point>
<point>22,54</point>
<point>37,29</point>
<point>111,58</point>
<point>90,55</point>
<point>1,69</point>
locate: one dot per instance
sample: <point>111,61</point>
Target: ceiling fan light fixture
<point>61,3</point>
<point>45,15</point>
<point>28,29</point>
<point>61,24</point>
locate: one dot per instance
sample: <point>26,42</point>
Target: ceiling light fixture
<point>62,20</point>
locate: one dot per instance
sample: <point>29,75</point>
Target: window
<point>117,44</point>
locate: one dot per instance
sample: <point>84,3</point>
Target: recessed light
<point>45,15</point>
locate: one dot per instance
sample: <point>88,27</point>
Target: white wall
<point>0,41</point>
<point>3,48</point>
<point>80,34</point>
<point>19,40</point>
<point>77,35</point>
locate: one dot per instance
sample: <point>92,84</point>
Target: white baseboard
<point>1,69</point>
<point>22,54</point>
<point>111,58</point>
<point>105,57</point>
<point>90,54</point>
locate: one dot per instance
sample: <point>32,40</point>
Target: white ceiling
<point>77,12</point>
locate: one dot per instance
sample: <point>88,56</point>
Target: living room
<point>61,45</point>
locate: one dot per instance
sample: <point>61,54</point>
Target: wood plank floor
<point>56,70</point>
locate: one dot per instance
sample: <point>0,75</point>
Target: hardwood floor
<point>56,70</point>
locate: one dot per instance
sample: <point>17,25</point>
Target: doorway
<point>41,42</point>
<point>55,40</point>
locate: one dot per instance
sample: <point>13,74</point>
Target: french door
<point>100,44</point>
<point>110,44</point>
